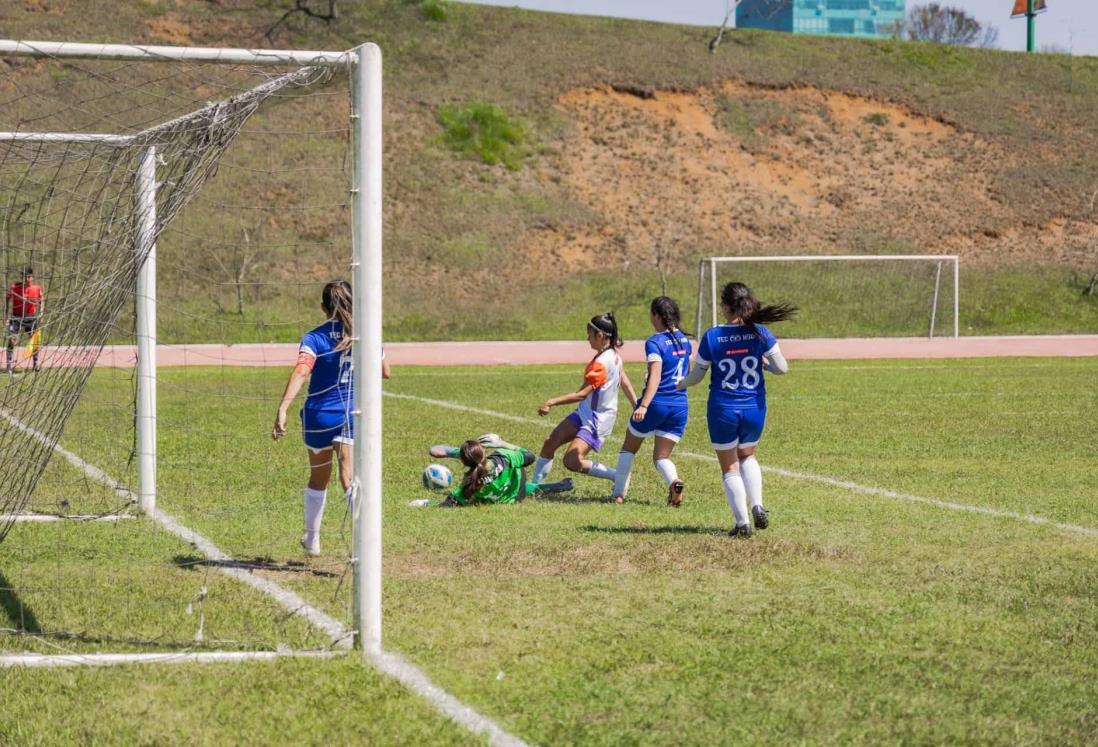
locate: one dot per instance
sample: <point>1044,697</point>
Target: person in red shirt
<point>25,302</point>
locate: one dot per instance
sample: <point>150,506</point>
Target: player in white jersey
<point>662,409</point>
<point>739,351</point>
<point>591,423</point>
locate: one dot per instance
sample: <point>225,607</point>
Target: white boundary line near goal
<point>385,662</point>
<point>50,518</point>
<point>195,657</point>
<point>808,477</point>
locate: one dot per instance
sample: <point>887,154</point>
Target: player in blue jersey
<point>324,358</point>
<point>737,353</point>
<point>662,408</point>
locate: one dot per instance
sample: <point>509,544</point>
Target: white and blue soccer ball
<point>437,477</point>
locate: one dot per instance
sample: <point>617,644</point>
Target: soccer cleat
<point>674,493</point>
<point>557,487</point>
<point>743,531</point>
<point>312,549</point>
<point>761,517</point>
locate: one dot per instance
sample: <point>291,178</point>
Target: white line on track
<point>388,663</point>
<point>822,479</point>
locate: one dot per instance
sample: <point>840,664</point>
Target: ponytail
<point>666,309</point>
<point>741,302</point>
<point>608,326</point>
<point>473,456</point>
<point>337,300</point>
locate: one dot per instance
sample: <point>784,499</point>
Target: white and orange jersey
<point>598,409</point>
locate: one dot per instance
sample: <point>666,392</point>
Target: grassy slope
<point>853,618</point>
<point>448,217</point>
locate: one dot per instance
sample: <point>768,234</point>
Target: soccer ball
<point>437,477</point>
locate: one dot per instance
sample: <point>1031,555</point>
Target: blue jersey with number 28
<point>672,350</point>
<point>735,353</point>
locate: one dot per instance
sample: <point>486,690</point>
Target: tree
<point>938,23</point>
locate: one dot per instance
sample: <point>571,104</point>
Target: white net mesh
<point>252,172</point>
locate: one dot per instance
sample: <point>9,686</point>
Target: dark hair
<point>741,302</point>
<point>473,457</point>
<point>607,325</point>
<point>666,309</point>
<point>336,300</point>
<point>28,270</point>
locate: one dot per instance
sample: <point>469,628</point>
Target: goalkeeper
<point>499,477</point>
<point>25,302</point>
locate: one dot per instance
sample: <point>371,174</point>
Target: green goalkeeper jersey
<point>504,482</point>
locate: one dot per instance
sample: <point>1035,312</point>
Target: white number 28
<point>750,369</point>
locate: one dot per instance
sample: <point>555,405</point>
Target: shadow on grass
<point>154,643</point>
<point>191,562</point>
<point>22,617</point>
<point>716,531</point>
<point>567,498</point>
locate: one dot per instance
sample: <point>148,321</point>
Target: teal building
<point>845,17</point>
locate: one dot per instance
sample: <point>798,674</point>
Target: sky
<point>1071,25</point>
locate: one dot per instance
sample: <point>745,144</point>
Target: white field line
<point>822,479</point>
<point>415,680</point>
<point>391,664</point>
<point>106,660</point>
<point>48,518</point>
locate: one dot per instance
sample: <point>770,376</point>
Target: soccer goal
<point>144,506</point>
<point>844,295</point>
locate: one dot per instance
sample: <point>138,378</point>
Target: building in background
<point>845,17</point>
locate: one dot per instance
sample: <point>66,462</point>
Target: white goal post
<point>363,64</point>
<point>708,286</point>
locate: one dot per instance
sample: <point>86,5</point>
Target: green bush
<point>486,131</point>
<point>435,10</point>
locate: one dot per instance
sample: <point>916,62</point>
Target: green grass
<point>853,618</point>
<point>485,131</point>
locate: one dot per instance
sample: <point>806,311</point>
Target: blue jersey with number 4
<point>330,384</point>
<point>735,353</point>
<point>672,350</point>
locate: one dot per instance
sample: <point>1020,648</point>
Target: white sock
<point>752,479</point>
<point>314,511</point>
<point>350,493</point>
<point>602,471</point>
<point>667,470</point>
<point>736,493</point>
<point>622,472</point>
<point>541,469</point>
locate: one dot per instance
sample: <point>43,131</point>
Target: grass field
<point>855,617</point>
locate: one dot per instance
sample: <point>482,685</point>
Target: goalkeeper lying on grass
<point>499,477</point>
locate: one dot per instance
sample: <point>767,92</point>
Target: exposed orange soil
<point>739,169</point>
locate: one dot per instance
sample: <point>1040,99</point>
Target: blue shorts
<point>730,428</point>
<point>663,419</point>
<point>324,428</point>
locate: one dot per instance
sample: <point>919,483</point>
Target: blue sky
<point>1069,24</point>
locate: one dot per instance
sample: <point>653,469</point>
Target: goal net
<point>843,295</point>
<point>222,192</point>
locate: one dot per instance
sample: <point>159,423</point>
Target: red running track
<point>568,351</point>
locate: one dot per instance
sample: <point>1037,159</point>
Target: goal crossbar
<point>953,259</point>
<point>14,48</point>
